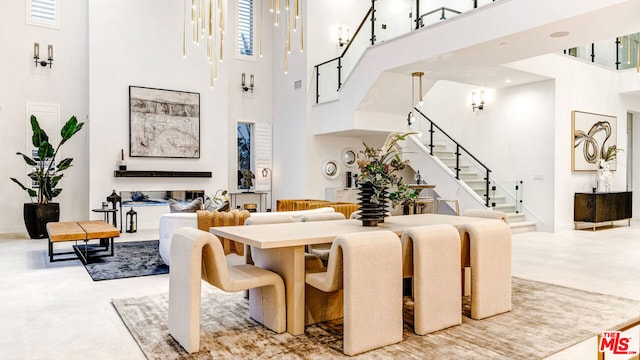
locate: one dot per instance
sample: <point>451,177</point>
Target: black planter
<point>36,217</point>
<point>371,213</point>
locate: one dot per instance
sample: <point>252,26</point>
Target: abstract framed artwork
<point>164,123</point>
<point>593,135</point>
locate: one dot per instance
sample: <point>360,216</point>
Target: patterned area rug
<point>130,259</point>
<point>545,319</point>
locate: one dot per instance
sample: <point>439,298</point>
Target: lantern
<point>114,199</point>
<point>132,220</point>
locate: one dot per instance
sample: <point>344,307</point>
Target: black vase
<point>36,217</point>
<point>371,213</point>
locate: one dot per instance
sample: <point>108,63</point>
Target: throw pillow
<point>225,206</point>
<point>209,205</point>
<point>176,207</point>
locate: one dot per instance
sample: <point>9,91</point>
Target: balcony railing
<point>384,20</point>
<point>620,53</point>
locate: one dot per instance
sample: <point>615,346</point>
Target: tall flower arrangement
<point>379,170</point>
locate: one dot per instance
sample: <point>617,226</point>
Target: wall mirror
<point>349,157</point>
<point>330,169</point>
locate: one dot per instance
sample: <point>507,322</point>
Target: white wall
<point>298,155</point>
<point>583,87</point>
<point>512,136</point>
<point>65,84</point>
<point>145,50</point>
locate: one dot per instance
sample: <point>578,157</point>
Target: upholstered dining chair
<point>311,261</point>
<point>321,250</point>
<point>431,257</point>
<point>485,213</point>
<point>197,255</point>
<point>367,266</point>
<point>486,249</point>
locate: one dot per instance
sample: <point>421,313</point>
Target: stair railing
<point>512,190</point>
<point>337,62</point>
<point>331,73</point>
<point>460,151</point>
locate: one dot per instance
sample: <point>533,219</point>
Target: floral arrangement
<point>379,168</point>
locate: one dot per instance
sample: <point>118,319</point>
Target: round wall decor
<point>330,169</point>
<point>349,157</point>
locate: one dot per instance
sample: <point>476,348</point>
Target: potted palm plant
<point>45,177</point>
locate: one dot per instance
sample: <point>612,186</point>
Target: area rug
<point>131,259</point>
<point>545,319</point>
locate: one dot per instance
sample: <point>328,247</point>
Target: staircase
<point>475,180</point>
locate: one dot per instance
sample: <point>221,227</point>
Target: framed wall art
<point>163,123</point>
<point>593,136</point>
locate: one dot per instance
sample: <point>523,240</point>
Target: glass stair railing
<point>385,20</point>
<point>503,195</point>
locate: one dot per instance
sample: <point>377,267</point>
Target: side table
<point>107,213</point>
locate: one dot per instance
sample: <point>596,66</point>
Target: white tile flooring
<point>55,311</point>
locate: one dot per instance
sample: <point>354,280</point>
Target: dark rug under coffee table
<point>131,259</point>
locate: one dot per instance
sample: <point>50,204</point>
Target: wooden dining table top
<point>271,236</point>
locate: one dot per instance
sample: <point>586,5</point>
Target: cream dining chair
<point>431,257</point>
<point>197,255</point>
<point>367,268</point>
<point>321,250</point>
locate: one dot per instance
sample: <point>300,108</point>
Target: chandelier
<point>205,23</point>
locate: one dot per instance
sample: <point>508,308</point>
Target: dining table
<point>280,248</point>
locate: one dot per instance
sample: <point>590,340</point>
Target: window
<point>43,13</point>
<point>245,27</point>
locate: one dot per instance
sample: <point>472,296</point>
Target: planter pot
<point>370,213</point>
<point>36,217</point>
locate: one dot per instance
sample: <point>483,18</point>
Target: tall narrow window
<point>245,27</point>
<point>43,13</point>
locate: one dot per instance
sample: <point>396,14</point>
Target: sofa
<point>347,208</point>
<point>171,222</point>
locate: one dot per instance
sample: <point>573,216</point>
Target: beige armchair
<point>197,255</point>
<point>368,268</point>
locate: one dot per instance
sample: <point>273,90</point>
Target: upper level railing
<point>620,53</point>
<point>385,20</point>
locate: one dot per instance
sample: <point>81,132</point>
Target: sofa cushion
<point>176,207</point>
<point>209,205</point>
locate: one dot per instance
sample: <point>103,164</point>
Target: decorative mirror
<point>330,169</point>
<point>349,157</point>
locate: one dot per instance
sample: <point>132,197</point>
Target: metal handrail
<point>357,31</point>
<point>458,152</point>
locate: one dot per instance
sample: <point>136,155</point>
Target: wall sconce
<point>341,41</point>
<point>473,101</point>
<point>246,88</point>
<point>36,55</point>
<point>265,172</point>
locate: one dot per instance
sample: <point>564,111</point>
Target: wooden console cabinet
<point>602,207</point>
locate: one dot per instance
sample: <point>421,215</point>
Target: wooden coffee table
<point>82,231</point>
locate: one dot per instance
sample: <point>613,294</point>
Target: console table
<point>602,207</point>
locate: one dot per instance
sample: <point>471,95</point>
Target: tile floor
<point>55,311</point>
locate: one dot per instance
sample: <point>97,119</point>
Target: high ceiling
<point>483,64</point>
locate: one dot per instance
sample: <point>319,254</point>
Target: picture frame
<point>164,123</point>
<point>592,134</point>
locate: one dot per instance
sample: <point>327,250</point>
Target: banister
<point>458,153</point>
<point>357,31</point>
<point>450,138</point>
